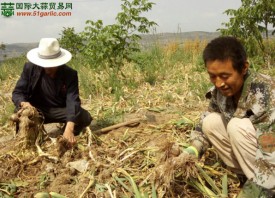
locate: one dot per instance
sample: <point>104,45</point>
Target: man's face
<point>225,78</point>
<point>51,71</point>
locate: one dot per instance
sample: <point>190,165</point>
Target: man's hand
<point>25,104</point>
<point>69,133</point>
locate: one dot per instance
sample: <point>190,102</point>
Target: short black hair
<point>226,48</point>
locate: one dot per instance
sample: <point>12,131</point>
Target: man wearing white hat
<point>49,85</point>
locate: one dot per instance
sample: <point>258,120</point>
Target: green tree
<point>3,48</point>
<point>71,41</point>
<point>112,44</point>
<point>265,15</point>
<point>250,22</point>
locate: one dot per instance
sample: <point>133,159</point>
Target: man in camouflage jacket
<point>240,120</point>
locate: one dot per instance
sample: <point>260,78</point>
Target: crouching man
<point>49,85</point>
<point>240,121</point>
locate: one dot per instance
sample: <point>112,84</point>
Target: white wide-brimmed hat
<point>49,54</point>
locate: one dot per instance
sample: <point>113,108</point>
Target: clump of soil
<point>30,125</point>
<point>171,163</point>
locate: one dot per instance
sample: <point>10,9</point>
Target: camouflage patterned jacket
<point>257,103</point>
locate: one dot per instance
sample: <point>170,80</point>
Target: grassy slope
<point>167,87</point>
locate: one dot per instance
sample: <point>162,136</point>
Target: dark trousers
<point>52,115</point>
<point>59,115</point>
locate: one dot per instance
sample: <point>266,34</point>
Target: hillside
<point>164,98</point>
<point>17,49</point>
<point>143,118</point>
<point>164,38</point>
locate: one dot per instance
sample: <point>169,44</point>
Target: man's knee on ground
<point>84,120</point>
<point>88,119</point>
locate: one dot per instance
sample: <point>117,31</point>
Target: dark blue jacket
<point>25,87</point>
